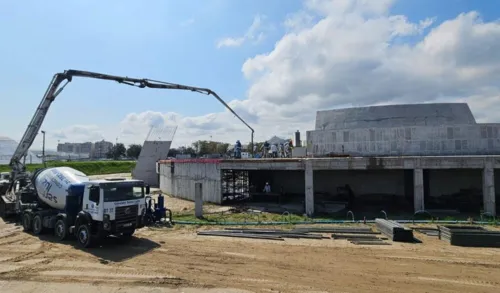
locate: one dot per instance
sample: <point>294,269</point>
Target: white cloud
<point>187,22</point>
<point>78,133</point>
<point>255,33</point>
<point>344,53</point>
<point>230,42</point>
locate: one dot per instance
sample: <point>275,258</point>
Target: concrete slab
<point>350,163</point>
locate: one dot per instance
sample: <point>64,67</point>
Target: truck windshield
<point>119,193</point>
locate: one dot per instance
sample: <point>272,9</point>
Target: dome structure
<point>437,114</point>
<point>439,129</point>
<point>7,149</point>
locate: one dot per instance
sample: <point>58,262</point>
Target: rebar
<point>352,214</point>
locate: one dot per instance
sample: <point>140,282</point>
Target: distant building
<point>77,148</point>
<point>95,150</point>
<point>66,147</point>
<point>100,149</point>
<point>85,148</point>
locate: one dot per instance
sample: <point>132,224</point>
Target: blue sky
<point>167,40</point>
<point>156,40</point>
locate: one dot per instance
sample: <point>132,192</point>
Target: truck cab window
<point>94,194</point>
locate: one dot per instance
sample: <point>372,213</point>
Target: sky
<point>275,62</point>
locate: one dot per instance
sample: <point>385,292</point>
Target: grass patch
<point>242,217</point>
<point>89,168</point>
<point>237,217</point>
<point>247,217</point>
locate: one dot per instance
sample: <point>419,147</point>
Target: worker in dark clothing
<point>237,150</point>
<point>265,149</point>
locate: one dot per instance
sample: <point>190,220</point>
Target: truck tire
<point>37,224</point>
<point>84,236</point>
<point>27,222</point>
<point>61,229</point>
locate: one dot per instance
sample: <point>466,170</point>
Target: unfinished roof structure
<point>409,129</point>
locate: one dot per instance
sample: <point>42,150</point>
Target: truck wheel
<point>61,230</point>
<point>84,236</point>
<point>26,222</point>
<point>37,224</point>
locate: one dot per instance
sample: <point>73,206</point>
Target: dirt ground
<point>177,260</point>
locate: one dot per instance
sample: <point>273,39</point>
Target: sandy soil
<point>176,260</point>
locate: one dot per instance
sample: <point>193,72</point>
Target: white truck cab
<point>117,203</point>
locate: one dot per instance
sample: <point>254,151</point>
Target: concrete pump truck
<point>66,200</point>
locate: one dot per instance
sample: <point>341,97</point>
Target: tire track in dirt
<point>44,271</point>
<point>446,261</point>
<point>470,282</point>
<point>177,259</point>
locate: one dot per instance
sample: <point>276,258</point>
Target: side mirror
<point>148,189</point>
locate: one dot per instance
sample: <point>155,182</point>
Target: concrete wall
<point>478,139</point>
<point>361,182</point>
<point>152,152</point>
<point>181,182</point>
<point>435,114</point>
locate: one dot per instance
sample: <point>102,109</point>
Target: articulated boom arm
<point>54,89</point>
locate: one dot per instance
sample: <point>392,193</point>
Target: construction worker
<point>265,148</point>
<point>237,150</point>
<point>274,151</point>
<point>288,148</point>
<point>267,188</point>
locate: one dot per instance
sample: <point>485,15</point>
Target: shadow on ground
<point>111,249</point>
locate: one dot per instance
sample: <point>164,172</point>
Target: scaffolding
<point>235,185</point>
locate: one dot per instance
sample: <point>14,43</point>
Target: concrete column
<point>309,189</point>
<point>489,190</point>
<point>418,189</point>
<point>198,200</point>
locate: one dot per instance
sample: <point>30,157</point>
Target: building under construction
<point>400,159</point>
